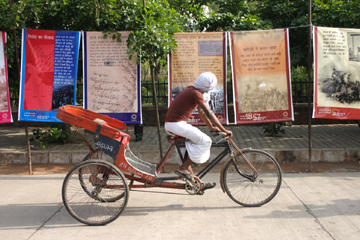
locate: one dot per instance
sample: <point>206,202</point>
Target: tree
<point>152,38</point>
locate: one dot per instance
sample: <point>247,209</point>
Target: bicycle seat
<point>173,137</point>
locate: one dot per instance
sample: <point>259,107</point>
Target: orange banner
<point>261,73</point>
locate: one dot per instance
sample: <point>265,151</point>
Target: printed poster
<point>261,73</point>
<point>197,53</point>
<point>5,108</point>
<point>49,62</point>
<point>336,73</point>
<point>111,80</point>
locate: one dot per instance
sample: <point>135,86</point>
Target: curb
<point>282,156</point>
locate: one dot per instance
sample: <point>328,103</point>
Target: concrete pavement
<point>330,143</point>
<point>308,206</point>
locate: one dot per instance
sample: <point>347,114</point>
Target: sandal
<point>184,175</point>
<point>205,186</point>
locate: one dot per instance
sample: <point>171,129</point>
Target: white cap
<point>206,82</point>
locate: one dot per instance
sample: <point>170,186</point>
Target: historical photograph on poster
<point>62,95</point>
<point>5,108</point>
<point>337,73</point>
<point>3,88</point>
<point>354,46</point>
<point>262,95</point>
<point>260,64</point>
<point>341,86</point>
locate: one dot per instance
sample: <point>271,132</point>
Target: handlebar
<point>218,135</point>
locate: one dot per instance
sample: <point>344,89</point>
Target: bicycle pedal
<point>201,192</point>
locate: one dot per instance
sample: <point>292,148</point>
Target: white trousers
<point>198,144</point>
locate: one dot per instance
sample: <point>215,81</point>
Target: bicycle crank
<point>193,188</point>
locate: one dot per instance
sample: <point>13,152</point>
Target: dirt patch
<point>37,169</point>
<point>318,167</point>
<point>43,169</point>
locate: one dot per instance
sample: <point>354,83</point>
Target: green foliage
<point>52,135</point>
<point>151,39</point>
<point>233,15</point>
<point>193,12</point>
<point>274,129</point>
<point>341,14</point>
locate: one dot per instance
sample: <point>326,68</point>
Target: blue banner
<point>49,64</point>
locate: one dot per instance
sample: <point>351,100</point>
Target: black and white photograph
<point>62,95</point>
<point>354,46</point>
<point>3,91</point>
<point>342,86</point>
<point>216,102</point>
<point>260,94</point>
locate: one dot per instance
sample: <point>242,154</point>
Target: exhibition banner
<point>5,108</point>
<point>261,76</point>
<point>197,53</point>
<point>111,81</point>
<point>336,73</point>
<point>49,62</point>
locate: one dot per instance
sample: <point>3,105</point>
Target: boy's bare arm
<point>212,118</point>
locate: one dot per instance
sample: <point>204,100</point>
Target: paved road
<point>308,206</point>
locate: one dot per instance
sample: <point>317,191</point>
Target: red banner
<point>39,73</point>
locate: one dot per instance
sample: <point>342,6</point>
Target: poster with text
<point>111,81</point>
<point>5,108</point>
<point>197,53</point>
<point>336,73</point>
<point>49,63</point>
<point>261,73</point>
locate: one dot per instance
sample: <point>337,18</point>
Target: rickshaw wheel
<point>87,199</point>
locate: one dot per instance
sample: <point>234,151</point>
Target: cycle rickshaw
<point>96,191</point>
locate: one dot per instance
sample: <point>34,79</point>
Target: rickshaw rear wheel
<point>91,198</point>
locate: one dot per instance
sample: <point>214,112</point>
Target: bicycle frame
<point>179,143</point>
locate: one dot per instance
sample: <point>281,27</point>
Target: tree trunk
<point>153,75</point>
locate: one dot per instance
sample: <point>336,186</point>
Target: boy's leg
<point>187,166</point>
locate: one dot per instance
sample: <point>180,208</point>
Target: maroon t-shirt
<point>184,104</point>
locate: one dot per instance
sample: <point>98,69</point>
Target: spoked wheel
<point>100,155</point>
<point>96,155</point>
<point>243,186</point>
<point>99,196</point>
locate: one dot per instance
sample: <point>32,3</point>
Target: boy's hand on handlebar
<point>229,133</point>
<point>215,129</point>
